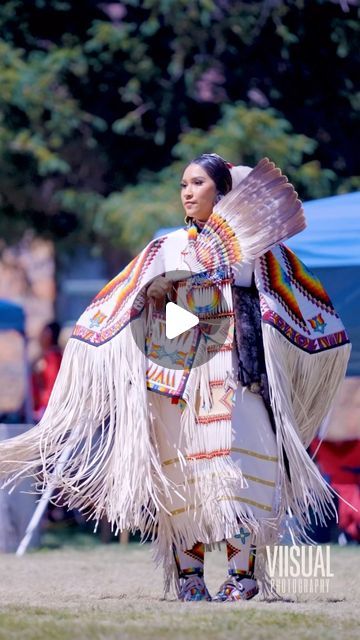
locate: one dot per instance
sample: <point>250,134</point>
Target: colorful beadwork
<point>203,309</point>
<point>294,302</point>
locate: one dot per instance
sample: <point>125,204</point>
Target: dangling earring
<point>188,220</point>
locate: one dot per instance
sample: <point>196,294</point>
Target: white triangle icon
<point>178,320</point>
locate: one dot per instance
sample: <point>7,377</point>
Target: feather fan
<point>257,214</point>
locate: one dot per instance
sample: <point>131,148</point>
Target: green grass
<point>112,593</point>
<point>180,621</point>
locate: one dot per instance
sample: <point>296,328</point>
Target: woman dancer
<point>213,448</point>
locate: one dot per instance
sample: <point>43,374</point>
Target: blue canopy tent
<point>332,236</point>
<point>11,317</point>
<point>330,247</point>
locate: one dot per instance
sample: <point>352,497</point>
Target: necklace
<point>214,276</point>
<point>209,279</point>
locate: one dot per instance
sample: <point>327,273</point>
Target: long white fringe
<point>99,409</point>
<point>303,387</point>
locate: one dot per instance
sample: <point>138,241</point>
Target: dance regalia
<point>190,454</point>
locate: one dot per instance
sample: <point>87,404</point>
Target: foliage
<point>243,135</point>
<point>95,95</point>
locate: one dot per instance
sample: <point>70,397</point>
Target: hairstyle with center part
<point>217,169</point>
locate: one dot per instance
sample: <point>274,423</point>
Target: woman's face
<point>198,192</point>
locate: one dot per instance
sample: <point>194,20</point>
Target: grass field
<point>112,593</point>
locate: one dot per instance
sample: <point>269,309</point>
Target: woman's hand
<point>158,289</point>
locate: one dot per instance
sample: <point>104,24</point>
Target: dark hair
<point>54,329</point>
<point>217,169</point>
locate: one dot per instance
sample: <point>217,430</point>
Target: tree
<point>94,94</point>
<point>243,135</point>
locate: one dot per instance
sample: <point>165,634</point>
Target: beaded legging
<point>240,556</point>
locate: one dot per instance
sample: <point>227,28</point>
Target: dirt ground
<point>112,592</point>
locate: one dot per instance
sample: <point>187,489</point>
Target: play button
<point>187,327</point>
<point>178,320</point>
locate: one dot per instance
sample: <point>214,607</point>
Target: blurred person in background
<point>46,367</point>
<point>214,449</point>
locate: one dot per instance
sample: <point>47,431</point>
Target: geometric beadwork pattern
<point>197,552</point>
<point>111,309</point>
<point>305,281</point>
<point>231,551</point>
<point>243,535</point>
<point>294,302</point>
<point>318,323</point>
<point>278,283</point>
